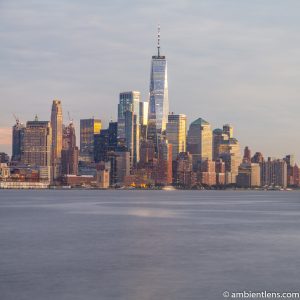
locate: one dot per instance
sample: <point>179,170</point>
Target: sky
<point>229,61</point>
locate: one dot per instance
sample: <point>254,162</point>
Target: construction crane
<point>17,119</point>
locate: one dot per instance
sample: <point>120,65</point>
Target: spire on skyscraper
<point>158,40</point>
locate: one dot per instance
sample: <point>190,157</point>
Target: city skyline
<point>245,75</point>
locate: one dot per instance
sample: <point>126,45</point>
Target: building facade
<point>176,133</point>
<point>88,128</point>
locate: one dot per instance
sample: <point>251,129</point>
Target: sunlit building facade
<point>176,133</point>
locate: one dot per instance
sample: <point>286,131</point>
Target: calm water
<point>147,245</point>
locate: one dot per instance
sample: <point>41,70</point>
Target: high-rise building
<point>158,98</point>
<point>176,133</point>
<point>274,172</point>
<point>228,130</point>
<point>257,158</point>
<point>70,152</point>
<point>57,132</point>
<point>199,141</point>
<point>248,175</point>
<point>88,128</point>
<point>17,141</point>
<point>144,108</point>
<point>38,144</point>
<point>129,123</point>
<point>218,138</point>
<point>207,173</point>
<point>163,172</point>
<point>247,155</point>
<point>229,152</point>
<point>185,176</point>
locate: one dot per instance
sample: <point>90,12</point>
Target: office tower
<point>199,141</point>
<point>129,123</point>
<point>247,155</point>
<point>88,128</point>
<point>290,161</point>
<point>158,98</point>
<point>38,145</point>
<point>229,152</point>
<point>17,141</point>
<point>105,142</point>
<point>176,133</point>
<point>274,173</point>
<point>70,152</point>
<point>257,158</point>
<point>228,130</point>
<point>218,137</point>
<point>57,131</point>
<point>144,107</point>
<point>185,177</point>
<point>113,134</point>
<point>248,175</point>
<point>163,172</point>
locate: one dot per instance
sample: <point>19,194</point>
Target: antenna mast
<point>158,40</point>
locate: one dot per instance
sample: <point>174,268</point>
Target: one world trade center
<point>158,98</point>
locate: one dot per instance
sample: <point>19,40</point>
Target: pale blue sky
<point>229,61</point>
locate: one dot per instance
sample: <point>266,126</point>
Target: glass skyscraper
<point>158,100</point>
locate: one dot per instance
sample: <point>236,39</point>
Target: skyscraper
<point>70,152</point>
<point>129,123</point>
<point>38,145</point>
<point>158,100</point>
<point>176,133</point>
<point>199,141</point>
<point>17,140</point>
<point>57,132</point>
<point>88,128</point>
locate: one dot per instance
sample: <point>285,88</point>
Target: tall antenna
<point>158,40</point>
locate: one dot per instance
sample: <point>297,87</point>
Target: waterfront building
<point>88,128</point>
<point>229,152</point>
<point>199,141</point>
<point>4,171</point>
<point>102,177</point>
<point>129,123</point>
<point>17,141</point>
<point>274,173</point>
<point>158,97</point>
<point>207,173</point>
<point>248,175</point>
<point>184,176</point>
<point>38,144</point>
<point>163,172</point>
<point>57,132</point>
<point>70,152</point>
<point>176,133</point>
